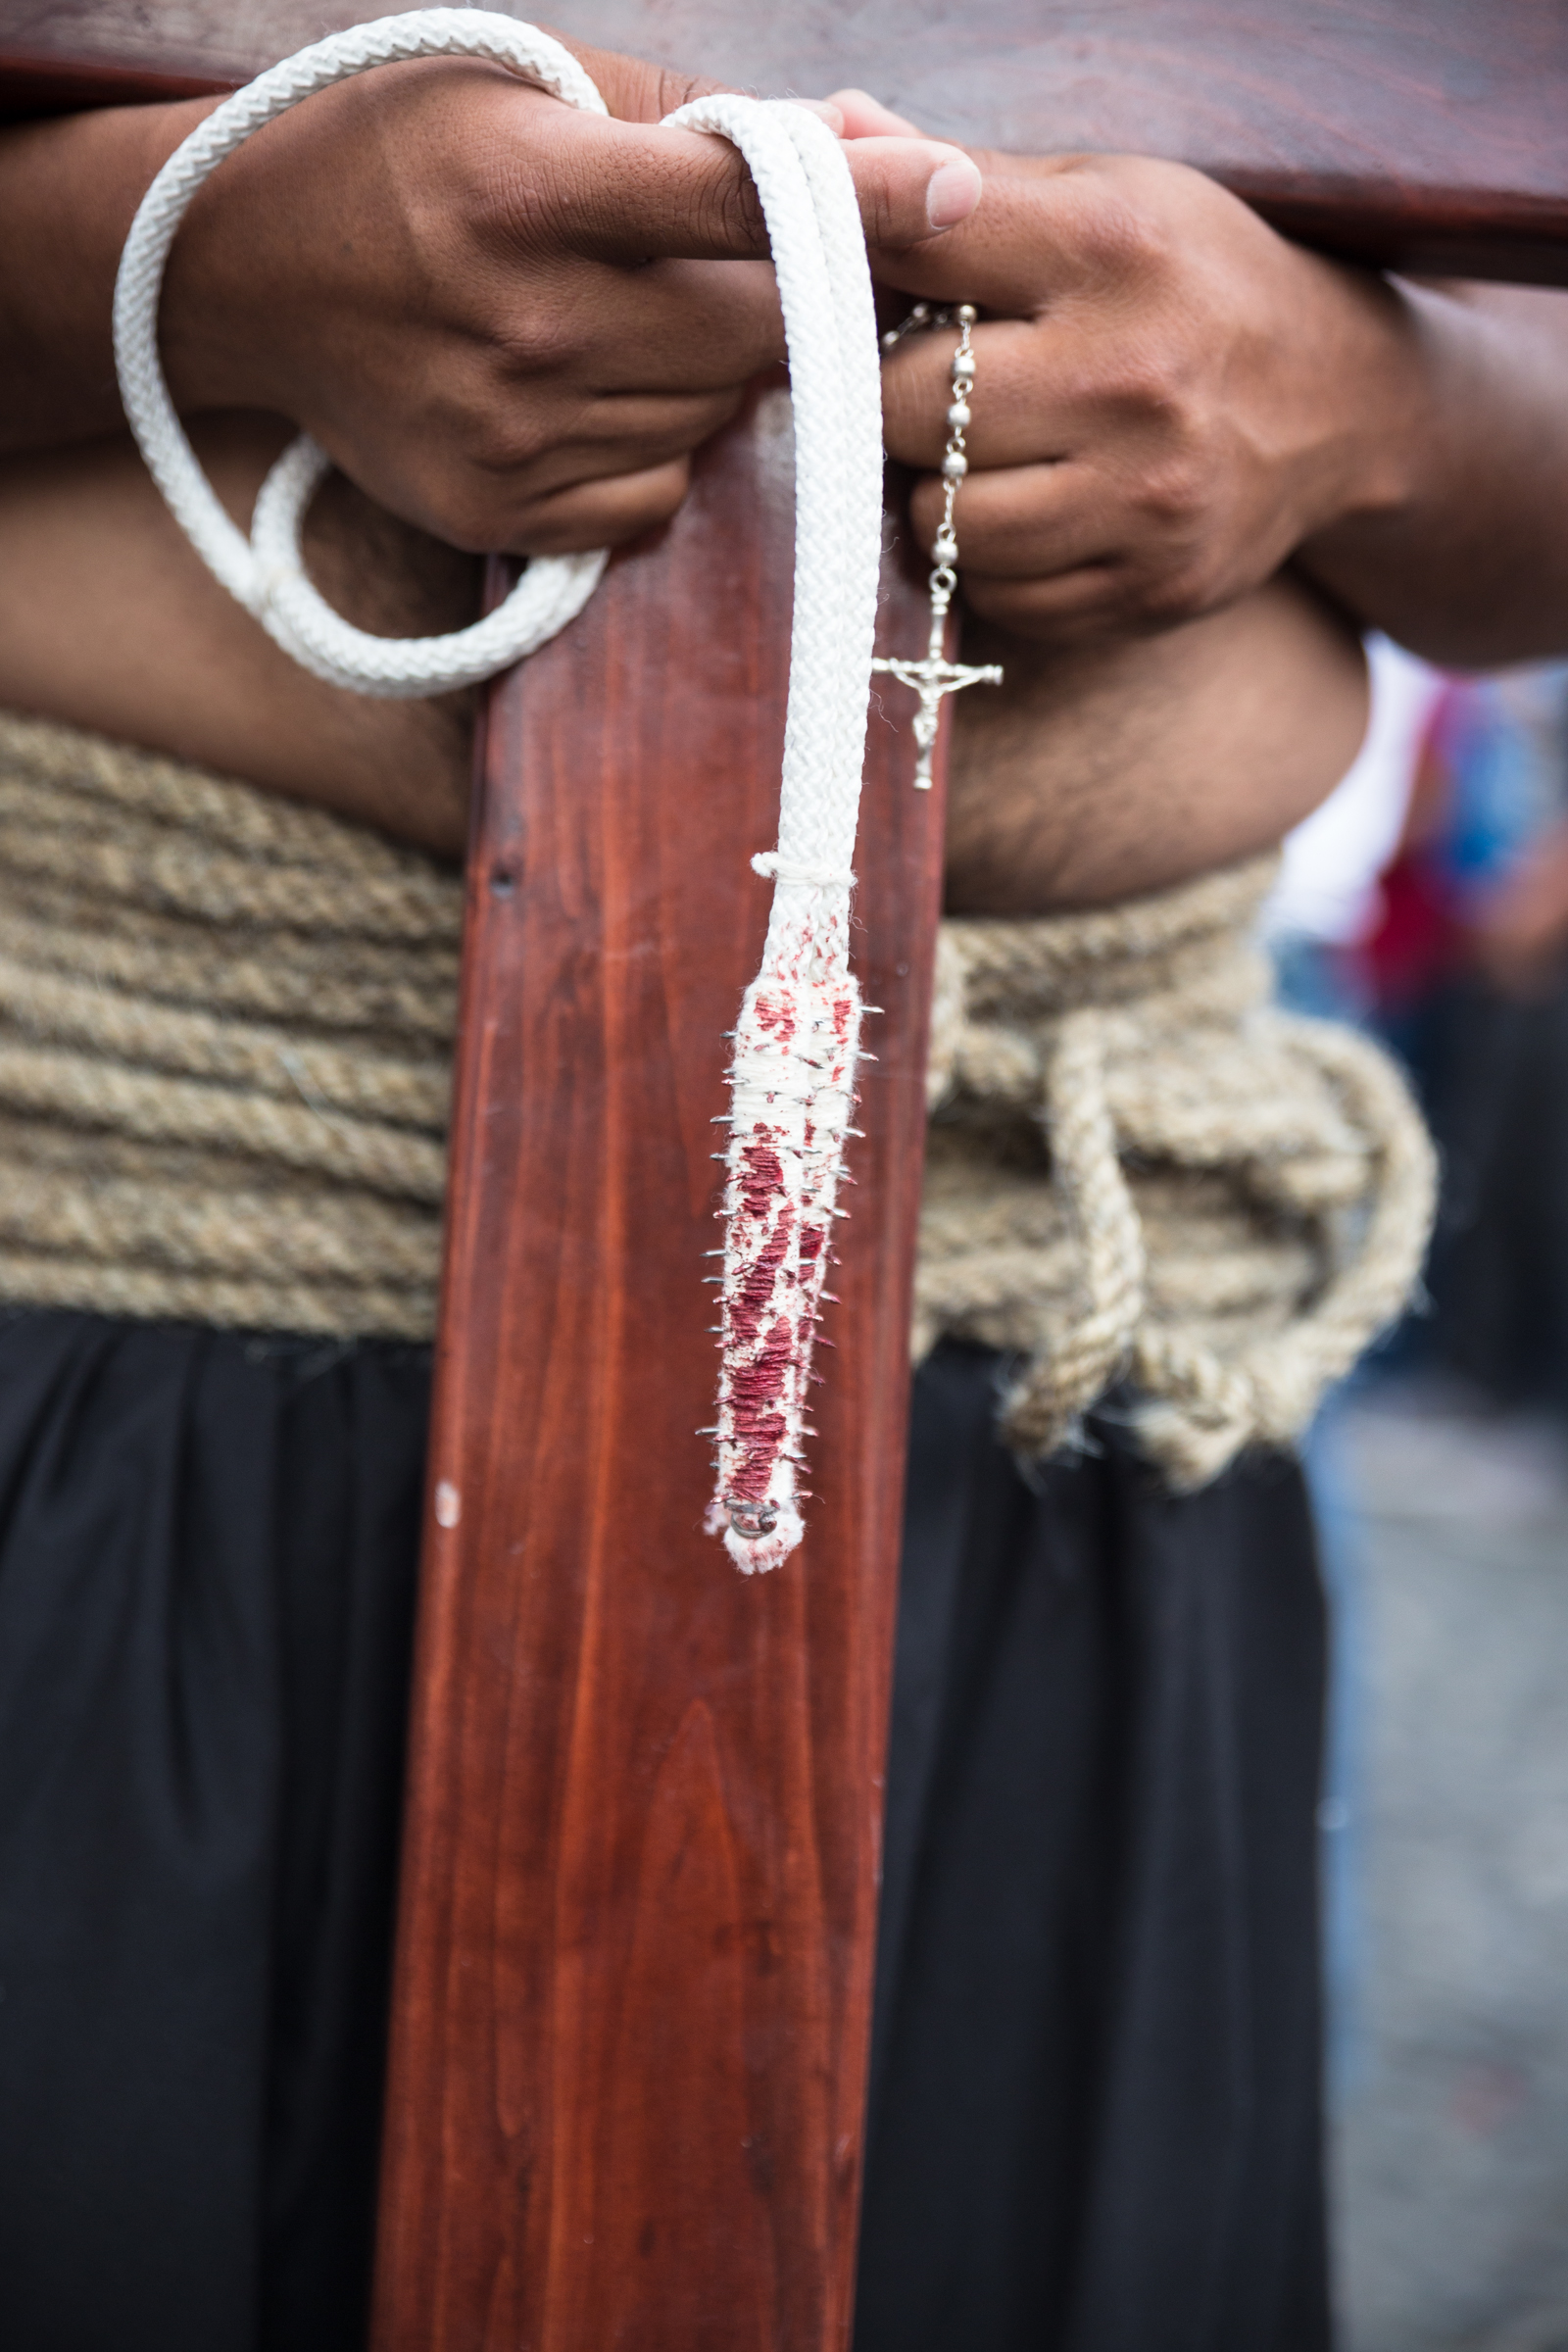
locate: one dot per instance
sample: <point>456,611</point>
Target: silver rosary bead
<point>937,676</point>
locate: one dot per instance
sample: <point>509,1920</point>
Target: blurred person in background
<point>1465,972</point>
<point>1327,899</point>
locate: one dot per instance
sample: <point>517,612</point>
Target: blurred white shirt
<point>1328,885</point>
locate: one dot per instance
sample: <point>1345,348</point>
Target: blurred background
<point>1429,901</point>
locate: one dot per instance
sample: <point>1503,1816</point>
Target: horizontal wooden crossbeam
<point>1417,134</point>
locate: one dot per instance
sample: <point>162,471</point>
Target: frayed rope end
<point>771,1544</point>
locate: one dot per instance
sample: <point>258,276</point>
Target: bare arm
<point>1467,561</point>
<point>69,191</point>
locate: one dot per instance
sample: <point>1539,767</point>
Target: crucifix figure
<point>936,676</point>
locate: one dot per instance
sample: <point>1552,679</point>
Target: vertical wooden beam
<point>634,1980</point>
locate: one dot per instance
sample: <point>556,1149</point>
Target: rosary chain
<point>936,676</point>
<point>955,458</point>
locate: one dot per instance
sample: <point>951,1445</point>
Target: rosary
<point>936,676</point>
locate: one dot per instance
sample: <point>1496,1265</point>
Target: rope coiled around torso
<point>225,1033</point>
<point>225,1042</point>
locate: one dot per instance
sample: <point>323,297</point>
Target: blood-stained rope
<point>792,1074</point>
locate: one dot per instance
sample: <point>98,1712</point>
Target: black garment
<point>1095,2116</point>
<point>207,1560</point>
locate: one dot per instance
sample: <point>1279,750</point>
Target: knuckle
<point>1141,386</point>
<point>467,519</point>
<point>508,437</point>
<point>735,210</point>
<point>1176,493</point>
<point>877,217</point>
<point>1151,383</point>
<point>512,212</point>
<point>675,90</point>
<point>1177,591</point>
<point>547,342</point>
<point>705,192</point>
<point>1122,235</point>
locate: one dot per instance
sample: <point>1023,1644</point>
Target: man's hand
<point>1170,402</point>
<point>510,322</point>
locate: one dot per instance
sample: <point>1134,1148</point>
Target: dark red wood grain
<point>32,86</point>
<point>1414,134</point>
<point>635,1967</point>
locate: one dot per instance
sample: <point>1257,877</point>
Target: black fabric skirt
<point>207,1562</point>
<point>1095,2122</point>
<point>1095,2109</point>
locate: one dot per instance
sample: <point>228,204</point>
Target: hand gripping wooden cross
<point>639,1883</point>
<point>796,1037</point>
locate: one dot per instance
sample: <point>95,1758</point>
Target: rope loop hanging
<point>266,572</point>
<point>797,1039</point>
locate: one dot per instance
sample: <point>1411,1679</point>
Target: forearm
<point>1460,553</point>
<point>69,191</point>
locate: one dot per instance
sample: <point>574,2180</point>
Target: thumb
<point>646,193</point>
<point>910,189</point>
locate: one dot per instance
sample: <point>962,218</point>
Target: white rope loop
<point>265,573</point>
<point>792,1074</point>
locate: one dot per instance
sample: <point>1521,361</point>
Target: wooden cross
<point>639,1897</point>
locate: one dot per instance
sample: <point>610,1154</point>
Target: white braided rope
<point>797,1038</point>
<point>266,572</point>
<point>797,1041</point>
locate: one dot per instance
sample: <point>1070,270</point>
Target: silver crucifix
<point>936,676</point>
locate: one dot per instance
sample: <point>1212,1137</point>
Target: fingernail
<point>951,192</point>
<point>831,115</point>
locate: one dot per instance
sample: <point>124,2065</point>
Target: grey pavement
<point>1447,1843</point>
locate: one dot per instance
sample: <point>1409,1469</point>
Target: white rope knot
<point>1231,1200</point>
<point>793,1077</point>
<point>774,868</point>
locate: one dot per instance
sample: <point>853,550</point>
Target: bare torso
<point>1088,776</point>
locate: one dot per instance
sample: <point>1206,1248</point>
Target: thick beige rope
<point>1141,1170</point>
<point>225,1028</point>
